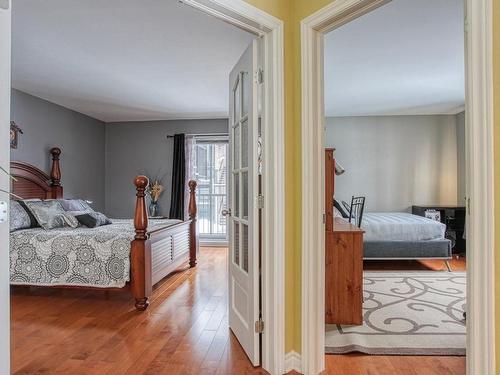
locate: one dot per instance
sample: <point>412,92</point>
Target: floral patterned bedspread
<point>97,257</point>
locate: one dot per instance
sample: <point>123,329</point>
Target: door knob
<point>226,212</point>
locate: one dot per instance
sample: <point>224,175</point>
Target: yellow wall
<point>496,88</point>
<point>292,12</point>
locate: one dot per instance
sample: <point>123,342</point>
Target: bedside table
<point>454,219</point>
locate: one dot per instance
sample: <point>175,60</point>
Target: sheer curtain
<point>190,144</point>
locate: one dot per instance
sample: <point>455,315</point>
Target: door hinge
<point>259,76</point>
<point>260,201</point>
<point>259,326</point>
<point>324,218</point>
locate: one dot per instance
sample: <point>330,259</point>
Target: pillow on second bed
<point>93,219</point>
<point>50,214</point>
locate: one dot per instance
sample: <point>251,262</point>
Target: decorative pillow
<point>34,223</point>
<point>50,214</point>
<point>75,205</point>
<point>19,218</point>
<point>93,219</point>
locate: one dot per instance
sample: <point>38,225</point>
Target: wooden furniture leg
<point>140,256</point>
<point>193,236</point>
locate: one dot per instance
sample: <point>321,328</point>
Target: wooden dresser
<point>344,273</point>
<point>343,261</point>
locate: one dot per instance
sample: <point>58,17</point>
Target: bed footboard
<point>157,253</point>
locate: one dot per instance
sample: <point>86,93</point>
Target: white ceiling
<point>406,57</point>
<point>124,60</point>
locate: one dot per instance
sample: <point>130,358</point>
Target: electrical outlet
<point>3,212</point>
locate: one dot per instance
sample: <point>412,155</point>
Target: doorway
<point>479,152</point>
<point>270,29</point>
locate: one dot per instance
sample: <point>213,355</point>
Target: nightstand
<point>454,219</point>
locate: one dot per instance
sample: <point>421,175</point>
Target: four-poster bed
<point>155,251</point>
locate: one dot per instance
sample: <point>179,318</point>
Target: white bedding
<point>400,226</point>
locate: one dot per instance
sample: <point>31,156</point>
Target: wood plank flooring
<point>184,331</point>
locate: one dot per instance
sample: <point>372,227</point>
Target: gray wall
<point>461,192</point>
<point>80,137</point>
<point>395,161</point>
<point>141,147</point>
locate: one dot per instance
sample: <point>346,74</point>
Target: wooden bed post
<point>140,252</point>
<point>192,210</point>
<point>55,174</point>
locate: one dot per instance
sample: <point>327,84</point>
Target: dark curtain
<point>178,178</point>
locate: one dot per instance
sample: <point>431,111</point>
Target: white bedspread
<point>400,226</point>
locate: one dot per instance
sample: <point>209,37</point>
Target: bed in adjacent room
<point>399,235</point>
<point>56,242</point>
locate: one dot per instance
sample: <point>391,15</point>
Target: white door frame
<point>480,179</point>
<point>260,23</point>
<point>5,40</point>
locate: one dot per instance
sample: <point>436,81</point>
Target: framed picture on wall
<point>14,134</point>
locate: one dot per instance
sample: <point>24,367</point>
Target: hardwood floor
<point>184,331</point>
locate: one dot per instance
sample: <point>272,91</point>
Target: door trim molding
<point>479,151</point>
<point>293,362</point>
<point>270,29</point>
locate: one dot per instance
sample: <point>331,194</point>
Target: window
<point>211,174</point>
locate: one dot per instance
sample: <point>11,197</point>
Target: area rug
<point>406,313</point>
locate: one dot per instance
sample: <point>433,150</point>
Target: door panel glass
<point>244,247</point>
<point>246,92</point>
<point>236,195</point>
<point>237,101</point>
<point>236,243</point>
<point>236,146</point>
<point>244,144</point>
<point>244,186</point>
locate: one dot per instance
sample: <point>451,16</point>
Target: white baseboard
<point>293,362</point>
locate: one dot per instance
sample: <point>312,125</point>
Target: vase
<point>153,209</point>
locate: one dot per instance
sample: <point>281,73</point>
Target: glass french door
<point>242,212</point>
<point>210,170</point>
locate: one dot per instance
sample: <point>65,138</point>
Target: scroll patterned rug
<point>406,313</point>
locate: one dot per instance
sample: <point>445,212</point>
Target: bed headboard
<point>34,183</point>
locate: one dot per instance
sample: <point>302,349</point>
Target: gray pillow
<point>50,214</point>
<point>93,219</point>
<point>34,223</point>
<point>19,218</point>
<point>75,205</point>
